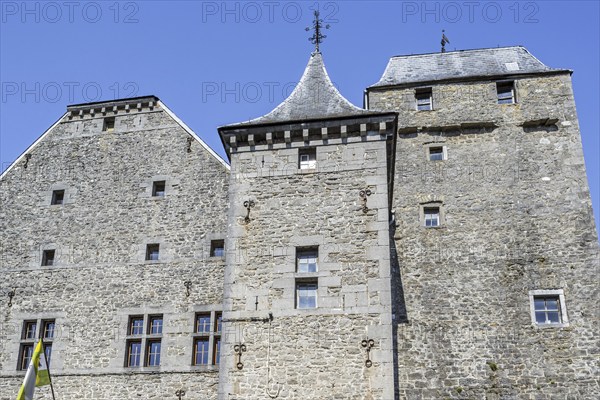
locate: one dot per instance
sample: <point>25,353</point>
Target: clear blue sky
<point>215,62</point>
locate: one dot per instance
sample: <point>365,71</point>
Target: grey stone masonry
<point>100,275</point>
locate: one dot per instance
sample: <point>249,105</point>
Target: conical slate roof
<point>314,98</point>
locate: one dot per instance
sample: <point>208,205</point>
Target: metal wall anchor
<point>239,349</point>
<point>180,393</point>
<point>188,287</point>
<point>363,195</point>
<point>11,294</point>
<point>368,344</point>
<point>248,204</point>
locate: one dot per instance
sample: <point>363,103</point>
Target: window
<point>306,294</point>
<point>432,216</point>
<point>158,188</point>
<point>152,252</point>
<point>48,257</point>
<point>217,248</point>
<point>207,338</point>
<point>307,158</point>
<point>29,337</point>
<point>136,340</point>
<point>109,125</point>
<point>437,153</point>
<point>506,92</point>
<point>306,260</point>
<point>548,308</point>
<point>424,99</point>
<point>58,197</point>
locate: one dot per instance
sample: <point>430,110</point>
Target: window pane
<point>552,304</point>
<point>134,352</point>
<point>540,317</point>
<point>48,351</point>
<point>218,323</point>
<point>553,317</point>
<point>156,325</point>
<point>217,351</point>
<point>29,330</point>
<point>201,351</point>
<point>153,353</point>
<point>152,252</point>
<point>136,326</point>
<point>203,323</point>
<point>49,329</point>
<point>158,189</point>
<point>307,295</point>
<point>26,353</point>
<point>307,260</point>
<point>539,304</point>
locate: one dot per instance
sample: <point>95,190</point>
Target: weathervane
<point>317,37</point>
<point>444,41</point>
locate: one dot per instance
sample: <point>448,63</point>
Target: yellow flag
<point>36,375</point>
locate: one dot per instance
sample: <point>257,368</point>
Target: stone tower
<point>307,302</point>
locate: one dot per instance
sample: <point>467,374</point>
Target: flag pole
<point>48,368</point>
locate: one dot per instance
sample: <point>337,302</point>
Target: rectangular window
<point>306,294</point>
<point>155,326</point>
<point>109,124</point>
<point>136,325</point>
<point>158,188</point>
<point>217,351</point>
<point>506,92</point>
<point>152,252</point>
<point>48,329</point>
<point>218,322</point>
<point>48,352</point>
<point>217,248</point>
<point>203,323</point>
<point>201,346</point>
<point>48,257</point>
<point>547,309</point>
<point>432,216</point>
<point>29,330</point>
<point>424,99</point>
<point>58,197</point>
<point>25,354</point>
<point>436,154</point>
<point>306,260</point>
<point>134,353</point>
<point>307,158</point>
<point>153,353</point>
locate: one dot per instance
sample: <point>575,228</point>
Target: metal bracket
<point>368,344</point>
<point>363,195</point>
<point>180,393</point>
<point>239,349</point>
<point>11,294</point>
<point>188,287</point>
<point>248,204</point>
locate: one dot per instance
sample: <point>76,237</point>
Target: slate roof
<point>461,64</point>
<point>314,97</point>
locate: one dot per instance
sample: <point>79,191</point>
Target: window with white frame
<point>307,158</point>
<point>424,99</point>
<point>306,294</point>
<point>436,153</point>
<point>548,308</point>
<point>506,92</point>
<point>431,216</point>
<point>306,259</point>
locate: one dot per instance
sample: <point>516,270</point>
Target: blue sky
<point>215,62</point>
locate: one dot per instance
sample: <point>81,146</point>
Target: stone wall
<point>517,217</point>
<point>100,233</point>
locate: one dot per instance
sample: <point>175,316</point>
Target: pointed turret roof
<point>314,98</point>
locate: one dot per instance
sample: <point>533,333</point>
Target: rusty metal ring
<point>364,343</point>
<point>239,365</point>
<point>368,363</point>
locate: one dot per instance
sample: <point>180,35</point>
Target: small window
<point>217,248</point>
<point>48,329</point>
<point>155,325</point>
<point>109,125</point>
<point>152,252</point>
<point>201,346</point>
<point>548,308</point>
<point>203,323</point>
<point>307,158</point>
<point>158,188</point>
<point>432,216</point>
<point>306,260</point>
<point>136,326</point>
<point>153,353</point>
<point>58,197</point>
<point>29,330</point>
<point>134,353</point>
<point>506,92</point>
<point>437,153</point>
<point>25,353</point>
<point>306,294</point>
<point>48,257</point>
<point>424,99</point>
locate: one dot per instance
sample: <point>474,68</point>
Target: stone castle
<point>438,243</point>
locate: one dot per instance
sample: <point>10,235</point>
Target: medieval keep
<point>438,243</point>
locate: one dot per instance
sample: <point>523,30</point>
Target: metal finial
<point>317,37</point>
<point>444,41</point>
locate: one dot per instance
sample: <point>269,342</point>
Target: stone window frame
<point>430,146</point>
<point>29,341</point>
<point>559,293</point>
<point>212,337</point>
<point>442,215</point>
<point>148,187</point>
<point>513,90</point>
<point>163,246</point>
<point>145,339</point>
<point>424,93</point>
<point>68,195</point>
